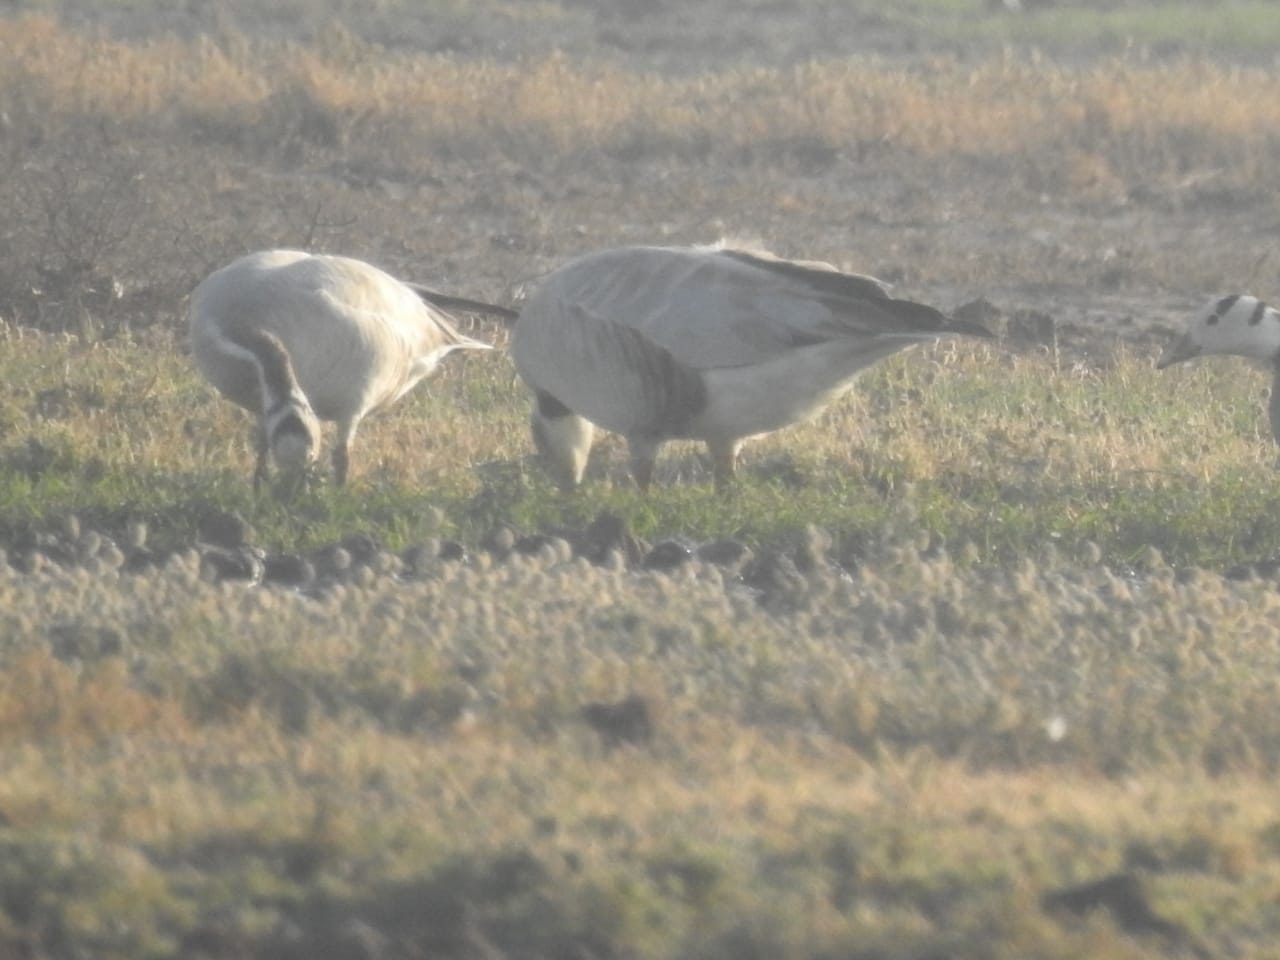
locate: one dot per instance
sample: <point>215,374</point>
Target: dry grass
<point>1125,118</point>
<point>984,444</point>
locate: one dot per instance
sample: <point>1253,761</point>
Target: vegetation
<point>985,446</point>
<point>1239,26</point>
<point>991,675</point>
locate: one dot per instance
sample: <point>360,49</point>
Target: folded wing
<point>730,308</point>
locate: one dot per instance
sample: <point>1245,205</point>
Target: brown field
<point>980,683</point>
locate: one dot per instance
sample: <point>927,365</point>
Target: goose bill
<point>1184,348</point>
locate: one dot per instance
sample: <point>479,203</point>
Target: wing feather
<point>715,309</point>
<point>608,372</point>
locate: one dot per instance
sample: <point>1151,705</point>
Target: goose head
<point>294,437</point>
<point>1237,324</point>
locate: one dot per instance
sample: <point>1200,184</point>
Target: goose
<point>712,343</point>
<point>296,338</point>
<point>1237,324</point>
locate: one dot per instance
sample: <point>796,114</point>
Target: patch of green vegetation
<point>1004,452</point>
<point>1239,24</point>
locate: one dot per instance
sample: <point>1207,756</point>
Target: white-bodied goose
<point>708,343</point>
<point>295,337</point>
<point>1236,324</point>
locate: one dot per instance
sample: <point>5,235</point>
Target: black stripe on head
<point>290,424</point>
<point>1221,307</point>
<point>549,407</point>
<point>1259,312</point>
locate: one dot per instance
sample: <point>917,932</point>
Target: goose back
<point>358,338</point>
<point>633,338</point>
<point>714,308</point>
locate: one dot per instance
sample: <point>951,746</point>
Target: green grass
<point>1245,25</point>
<point>971,445</point>
<point>1073,27</point>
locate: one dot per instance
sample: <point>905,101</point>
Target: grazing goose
<point>708,343</point>
<point>288,429</point>
<point>1236,324</point>
<point>296,337</point>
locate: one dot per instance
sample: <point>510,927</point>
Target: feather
<point>711,343</point>
<point>351,338</point>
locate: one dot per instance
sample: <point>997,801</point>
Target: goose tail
<point>447,301</point>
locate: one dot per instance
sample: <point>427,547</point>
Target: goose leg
<point>724,461</point>
<point>341,450</point>
<point>644,451</point>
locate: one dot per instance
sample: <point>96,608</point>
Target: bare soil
<point>1079,260</point>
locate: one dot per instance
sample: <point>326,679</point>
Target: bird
<point>1237,324</point>
<point>715,343</point>
<point>297,338</point>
